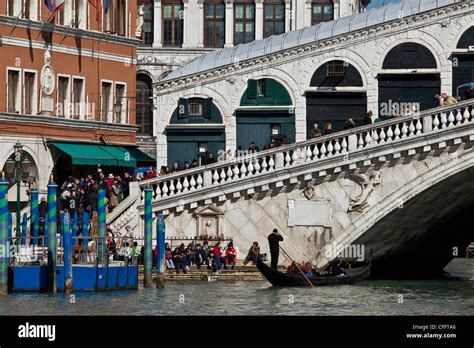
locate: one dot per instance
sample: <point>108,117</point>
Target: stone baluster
<point>223,175</point>
<point>243,170</point>
<point>344,145</point>
<point>172,188</point>
<point>250,168</point>
<point>186,184</point>
<point>444,120</point>
<point>264,164</point>
<point>287,159</point>
<point>199,181</point>
<point>404,130</point>
<point>451,119</point>
<point>360,142</point>
<point>294,157</point>
<point>458,117</point>
<point>323,150</point>
<point>236,171</point>
<point>375,136</point>
<point>271,163</point>
<point>179,187</point>
<point>158,191</point>
<point>466,115</point>
<point>302,155</point>
<point>397,132</point>
<point>472,113</point>
<point>337,146</point>
<point>257,166</point>
<point>419,127</point>
<point>330,148</point>
<point>411,128</point>
<point>165,189</point>
<point>192,183</point>
<point>383,136</point>
<point>368,139</point>
<point>389,133</point>
<point>315,152</point>
<point>215,177</point>
<point>436,122</point>
<point>229,173</point>
<point>308,153</point>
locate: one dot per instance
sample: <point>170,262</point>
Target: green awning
<point>140,157</point>
<point>106,155</point>
<point>87,154</point>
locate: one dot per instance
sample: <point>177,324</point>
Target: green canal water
<point>370,297</point>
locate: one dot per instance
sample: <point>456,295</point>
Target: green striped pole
<point>148,262</point>
<point>4,242</point>
<point>67,244</point>
<point>34,216</point>
<point>52,238</point>
<point>102,225</point>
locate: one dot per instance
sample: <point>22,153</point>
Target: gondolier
<point>274,239</point>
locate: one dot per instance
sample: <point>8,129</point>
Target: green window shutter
<point>208,108</point>
<point>252,89</point>
<point>270,89</point>
<point>182,108</point>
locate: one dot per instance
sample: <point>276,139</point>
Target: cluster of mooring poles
<point>69,231</point>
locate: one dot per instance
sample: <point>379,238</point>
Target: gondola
<point>277,278</point>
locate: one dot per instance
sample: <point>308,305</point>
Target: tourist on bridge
<point>349,124</point>
<point>253,253</point>
<point>314,132</point>
<point>328,129</point>
<point>274,240</point>
<point>368,118</point>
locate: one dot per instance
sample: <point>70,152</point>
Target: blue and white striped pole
<point>67,243</point>
<point>4,241</point>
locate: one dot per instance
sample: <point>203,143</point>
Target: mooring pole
<point>52,238</point>
<point>74,229</point>
<point>67,245</point>
<point>45,231</point>
<point>34,216</point>
<point>101,224</point>
<point>148,264</point>
<point>4,242</point>
<point>10,227</point>
<point>160,258</point>
<point>24,227</point>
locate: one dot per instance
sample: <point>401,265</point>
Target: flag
<point>53,5</point>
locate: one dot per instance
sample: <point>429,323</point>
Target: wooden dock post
<point>148,262</point>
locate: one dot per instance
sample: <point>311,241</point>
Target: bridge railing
<point>313,150</point>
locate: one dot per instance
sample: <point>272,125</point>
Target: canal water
<point>370,297</point>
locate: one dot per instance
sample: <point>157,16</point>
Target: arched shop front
<point>195,128</point>
<point>409,75</point>
<point>463,63</point>
<point>336,93</point>
<point>265,114</point>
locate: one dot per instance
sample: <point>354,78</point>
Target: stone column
<point>229,23</point>
<point>289,15</point>
<point>186,26</point>
<point>307,13</point>
<point>201,24</point>
<point>259,19</point>
<point>157,21</point>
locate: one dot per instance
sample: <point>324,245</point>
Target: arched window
<point>144,105</point>
<point>409,55</point>
<point>336,73</point>
<point>467,39</point>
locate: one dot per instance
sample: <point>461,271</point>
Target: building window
<point>120,103</point>
<point>78,97</point>
<point>261,85</point>
<point>80,14</point>
<point>148,16</point>
<point>196,107</point>
<point>14,91</point>
<point>11,8</point>
<point>63,96</point>
<point>121,15</point>
<point>144,105</point>
<point>322,11</point>
<point>30,92</point>
<point>115,17</point>
<point>274,19</point>
<point>244,23</point>
<point>214,24</point>
<point>172,23</point>
<point>336,68</point>
<point>106,102</point>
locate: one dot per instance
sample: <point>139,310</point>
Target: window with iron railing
<point>336,68</point>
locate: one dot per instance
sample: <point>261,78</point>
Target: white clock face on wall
<point>47,80</point>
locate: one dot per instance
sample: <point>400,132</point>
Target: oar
<point>299,269</point>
